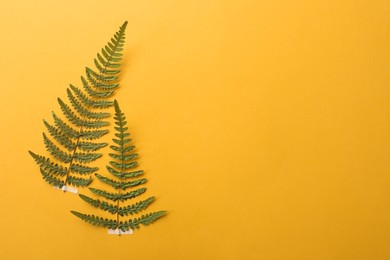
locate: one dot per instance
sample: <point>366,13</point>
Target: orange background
<point>263,126</point>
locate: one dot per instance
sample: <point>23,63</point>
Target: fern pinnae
<point>82,110</point>
<point>82,169</point>
<point>82,122</point>
<point>48,166</point>
<point>60,137</point>
<point>123,157</point>
<point>122,184</point>
<point>100,104</point>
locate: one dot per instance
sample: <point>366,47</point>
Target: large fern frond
<point>70,139</point>
<point>122,160</point>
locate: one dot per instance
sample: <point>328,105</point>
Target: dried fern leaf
<point>69,140</point>
<point>121,180</point>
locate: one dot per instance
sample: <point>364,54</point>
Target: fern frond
<point>68,139</point>
<point>123,161</point>
<point>120,185</point>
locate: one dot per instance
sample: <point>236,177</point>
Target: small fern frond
<point>122,162</point>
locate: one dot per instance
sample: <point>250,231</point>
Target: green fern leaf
<point>123,165</point>
<point>135,208</point>
<point>123,161</point>
<point>75,181</point>
<point>121,157</point>
<point>118,196</point>
<point>73,118</point>
<point>124,175</point>
<point>83,122</point>
<point>113,209</point>
<point>144,220</point>
<point>86,157</point>
<point>96,221</point>
<point>90,146</point>
<point>120,185</point>
<point>82,169</point>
